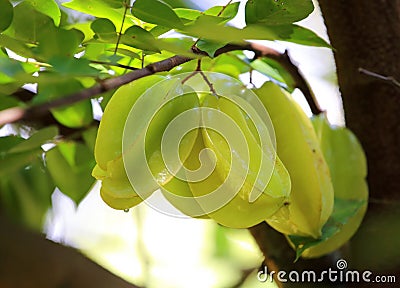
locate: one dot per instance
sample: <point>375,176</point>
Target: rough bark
<point>366,36</point>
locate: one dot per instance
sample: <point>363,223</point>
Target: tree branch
<point>28,260</point>
<point>292,68</point>
<point>113,64</point>
<point>17,113</point>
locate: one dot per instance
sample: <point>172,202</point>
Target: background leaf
<point>104,30</point>
<point>156,12</point>
<point>75,115</point>
<point>138,37</point>
<point>102,9</point>
<point>228,12</point>
<point>49,8</point>
<point>58,42</point>
<point>343,211</point>
<point>277,12</point>
<point>16,152</point>
<point>28,23</point>
<point>72,67</point>
<point>6,14</point>
<point>26,193</point>
<point>70,165</point>
<point>36,140</point>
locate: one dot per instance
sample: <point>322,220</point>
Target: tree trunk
<point>366,39</point>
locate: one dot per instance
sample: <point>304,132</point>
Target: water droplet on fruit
<point>126,210</point>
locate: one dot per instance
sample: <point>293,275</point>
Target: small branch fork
<point>199,71</point>
<point>34,112</point>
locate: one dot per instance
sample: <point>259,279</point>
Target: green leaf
<point>8,101</point>
<point>277,12</point>
<point>181,46</point>
<point>6,14</point>
<point>8,142</point>
<point>261,66</point>
<point>210,47</point>
<point>70,165</point>
<point>156,12</point>
<point>73,66</point>
<point>58,42</point>
<point>104,30</point>
<point>343,211</point>
<point>17,46</point>
<point>112,59</point>
<point>49,8</point>
<point>28,24</point>
<point>15,72</point>
<point>26,193</point>
<point>140,38</point>
<point>51,86</point>
<point>89,136</point>
<point>228,13</point>
<point>159,30</point>
<point>77,115</point>
<point>35,141</point>
<point>101,9</point>
<point>10,162</point>
<point>282,72</point>
<point>84,28</point>
<point>209,27</point>
<point>114,3</point>
<point>128,53</point>
<point>299,35</point>
<point>16,152</point>
<point>180,3</point>
<point>236,58</point>
<point>11,68</point>
<point>94,50</point>
<point>275,71</point>
<point>187,14</point>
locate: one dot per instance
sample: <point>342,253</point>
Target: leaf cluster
<point>43,44</point>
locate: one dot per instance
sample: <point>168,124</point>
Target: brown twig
<point>287,63</point>
<point>198,69</point>
<point>390,79</point>
<point>126,6</point>
<point>17,113</point>
<point>219,14</point>
<point>113,64</point>
<point>224,7</point>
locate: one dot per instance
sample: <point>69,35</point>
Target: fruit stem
<point>208,82</point>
